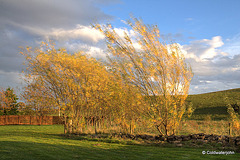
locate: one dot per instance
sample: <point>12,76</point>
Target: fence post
<point>40,120</point>
<point>51,120</point>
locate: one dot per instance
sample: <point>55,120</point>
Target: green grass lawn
<point>46,142</point>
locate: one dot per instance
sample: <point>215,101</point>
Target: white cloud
<point>204,49</point>
<point>85,33</point>
<point>213,68</point>
<point>232,46</point>
<point>80,32</point>
<point>121,32</point>
<point>94,51</point>
<point>189,19</point>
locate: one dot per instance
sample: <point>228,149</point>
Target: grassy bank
<point>46,142</point>
<point>213,104</point>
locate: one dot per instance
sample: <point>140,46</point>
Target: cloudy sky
<point>207,31</point>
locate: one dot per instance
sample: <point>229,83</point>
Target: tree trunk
<point>70,126</point>
<point>157,126</point>
<point>230,129</point>
<point>95,126</point>
<point>65,125</point>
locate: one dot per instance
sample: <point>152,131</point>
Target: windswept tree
<point>78,85</point>
<point>158,70</point>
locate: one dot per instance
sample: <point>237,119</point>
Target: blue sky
<point>207,31</point>
<point>200,19</point>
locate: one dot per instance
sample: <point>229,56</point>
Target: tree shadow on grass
<point>27,150</point>
<point>38,144</point>
<point>38,151</point>
<point>75,149</point>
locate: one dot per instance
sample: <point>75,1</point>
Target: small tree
<point>234,121</point>
<point>156,69</point>
<point>9,104</point>
<point>189,110</point>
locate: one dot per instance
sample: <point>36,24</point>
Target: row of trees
<point>146,84</point>
<point>10,104</point>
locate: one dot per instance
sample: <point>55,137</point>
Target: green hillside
<point>213,104</point>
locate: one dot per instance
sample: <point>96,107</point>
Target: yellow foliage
<point>234,118</point>
<point>78,85</point>
<point>151,82</point>
<point>157,71</point>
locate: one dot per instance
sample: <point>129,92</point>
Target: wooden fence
<point>29,120</point>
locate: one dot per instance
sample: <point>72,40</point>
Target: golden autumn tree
<point>79,85</point>
<point>158,71</point>
<point>128,104</point>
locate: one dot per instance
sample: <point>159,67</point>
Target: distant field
<point>45,142</point>
<point>213,104</point>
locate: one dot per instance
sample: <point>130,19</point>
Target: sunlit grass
<point>46,142</point>
<point>206,126</point>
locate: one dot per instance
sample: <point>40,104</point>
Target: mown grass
<point>47,142</point>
